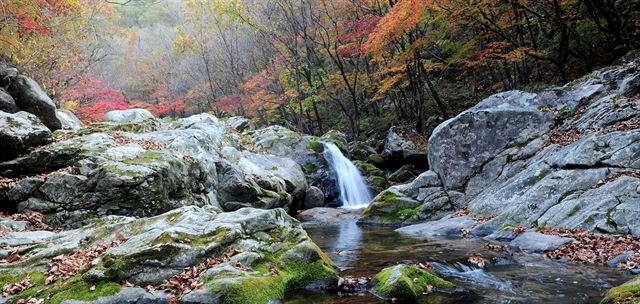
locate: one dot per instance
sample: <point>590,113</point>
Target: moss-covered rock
<point>390,207</point>
<point>276,256</point>
<point>406,283</point>
<point>367,168</point>
<point>627,293</point>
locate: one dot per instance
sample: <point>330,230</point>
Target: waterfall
<point>354,192</point>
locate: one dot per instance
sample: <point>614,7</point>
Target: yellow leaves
<point>387,84</point>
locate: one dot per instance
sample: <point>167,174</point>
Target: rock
<point>336,137</point>
<point>422,199</point>
<point>304,150</point>
<point>241,124</point>
<point>20,131</point>
<point>7,104</point>
<point>31,98</point>
<point>146,168</point>
<point>445,227</point>
<point>406,283</point>
<point>405,174</point>
<point>460,145</point>
<point>69,120</point>
<point>535,242</point>
<point>155,249</point>
<point>127,116</point>
<point>328,215</point>
<point>313,198</point>
<point>403,148</point>
<point>358,150</point>
<point>128,295</point>
<point>628,292</point>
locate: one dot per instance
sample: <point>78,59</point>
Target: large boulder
<point>127,116</point>
<point>20,131</point>
<point>69,120</point>
<point>30,97</point>
<point>246,256</point>
<point>626,293</point>
<point>461,145</point>
<point>7,103</point>
<point>582,174</point>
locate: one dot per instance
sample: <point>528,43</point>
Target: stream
<point>518,278</point>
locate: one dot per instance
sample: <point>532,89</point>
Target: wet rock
<point>7,104</point>
<point>445,227</point>
<point>328,215</point>
<point>31,98</point>
<point>628,292</point>
<point>241,124</point>
<point>129,295</point>
<point>406,283</point>
<point>313,198</point>
<point>127,116</point>
<point>69,120</point>
<point>155,249</point>
<point>535,242</point>
<point>358,150</point>
<point>20,131</point>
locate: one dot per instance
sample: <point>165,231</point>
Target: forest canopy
<point>311,65</point>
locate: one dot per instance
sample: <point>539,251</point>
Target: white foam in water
<point>354,192</point>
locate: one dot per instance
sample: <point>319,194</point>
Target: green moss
<point>81,290</point>
<point>574,210</point>
<point>309,167</point>
<point>406,283</point>
<point>145,158</point>
<point>122,172</point>
<point>379,182</point>
<point>367,168</point>
<point>626,293</point>
<point>375,159</point>
<point>315,145</point>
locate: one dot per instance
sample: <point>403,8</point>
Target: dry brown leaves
<point>13,259</point>
<point>461,212</point>
<point>519,229</point>
<point>56,139</point>
<point>64,267</point>
<point>592,248</point>
<point>145,144</point>
<point>7,183</point>
<point>419,140</point>
<point>477,261</point>
<point>15,288</point>
<point>495,247</point>
<point>425,266</point>
<point>35,220</point>
<point>564,138</point>
<point>633,173</point>
<point>30,301</point>
<point>631,124</point>
<point>189,278</point>
<point>483,219</point>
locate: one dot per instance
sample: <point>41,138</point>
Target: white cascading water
<point>354,192</point>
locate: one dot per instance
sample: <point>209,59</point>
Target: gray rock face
<point>147,168</point>
<point>241,124</point>
<point>313,198</point>
<point>501,154</point>
<point>537,242</point>
<point>445,227</point>
<point>20,131</point>
<point>127,116</point>
<point>31,98</point>
<point>459,146</point>
<point>69,120</point>
<point>7,104</point>
<point>328,215</point>
<point>156,249</point>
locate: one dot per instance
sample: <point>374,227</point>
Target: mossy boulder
<point>405,174</point>
<point>406,283</point>
<point>627,293</point>
<point>273,255</point>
